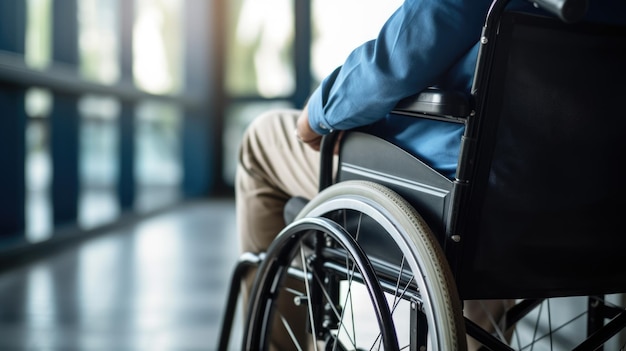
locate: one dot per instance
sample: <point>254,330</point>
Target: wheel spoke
<point>290,332</point>
<point>551,332</point>
<point>397,296</point>
<point>548,336</point>
<point>493,322</point>
<point>334,309</point>
<point>358,228</point>
<point>356,236</point>
<point>308,293</point>
<point>550,323</point>
<point>350,277</point>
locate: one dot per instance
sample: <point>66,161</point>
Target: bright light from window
<point>38,33</point>
<point>157,46</point>
<point>98,40</point>
<point>342,25</point>
<point>260,50</point>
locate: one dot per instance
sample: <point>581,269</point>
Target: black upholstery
<point>547,198</point>
<point>538,207</point>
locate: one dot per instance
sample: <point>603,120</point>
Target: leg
<point>273,167</point>
<point>489,315</point>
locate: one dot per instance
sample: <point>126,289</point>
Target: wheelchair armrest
<point>435,103</point>
<point>432,103</point>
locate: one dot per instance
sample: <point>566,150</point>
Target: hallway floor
<point>157,285</point>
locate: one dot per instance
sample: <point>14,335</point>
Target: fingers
<point>305,133</point>
<point>313,143</point>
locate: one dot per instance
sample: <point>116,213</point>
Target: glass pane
<point>158,166</point>
<point>158,46</point>
<point>38,166</point>
<point>38,33</point>
<point>98,40</point>
<point>339,26</point>
<point>260,47</point>
<point>98,162</point>
<point>238,117</point>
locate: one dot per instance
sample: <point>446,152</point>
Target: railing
<point>200,104</point>
<point>64,78</point>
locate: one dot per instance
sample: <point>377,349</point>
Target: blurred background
<point>112,106</point>
<point>119,128</point>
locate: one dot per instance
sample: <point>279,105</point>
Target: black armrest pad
<point>435,102</point>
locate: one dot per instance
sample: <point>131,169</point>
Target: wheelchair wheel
<point>565,323</point>
<point>391,290</point>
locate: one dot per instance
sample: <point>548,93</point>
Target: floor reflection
<point>159,285</point>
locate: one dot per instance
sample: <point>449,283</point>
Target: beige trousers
<point>273,167</point>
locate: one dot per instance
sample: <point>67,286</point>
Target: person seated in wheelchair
<point>423,44</point>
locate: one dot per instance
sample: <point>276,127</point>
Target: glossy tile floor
<point>156,285</point>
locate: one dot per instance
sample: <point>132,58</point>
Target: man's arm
<point>415,48</point>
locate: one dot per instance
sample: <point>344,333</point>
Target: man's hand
<point>305,134</point>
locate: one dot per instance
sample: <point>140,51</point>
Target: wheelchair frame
<point>444,205</point>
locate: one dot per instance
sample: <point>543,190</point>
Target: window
<point>339,26</point>
<point>260,48</point>
<point>98,43</point>
<point>260,58</point>
<point>157,46</point>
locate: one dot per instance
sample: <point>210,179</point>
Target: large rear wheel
<point>326,295</point>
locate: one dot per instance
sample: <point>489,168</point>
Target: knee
<point>265,129</point>
<point>253,138</point>
<point>258,127</point>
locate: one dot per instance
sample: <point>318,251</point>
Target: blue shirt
<point>424,43</point>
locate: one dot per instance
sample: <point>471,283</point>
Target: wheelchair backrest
<point>541,198</point>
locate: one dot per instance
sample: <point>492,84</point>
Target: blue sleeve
<point>415,47</point>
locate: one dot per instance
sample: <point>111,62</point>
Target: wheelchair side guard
<point>428,191</point>
<point>432,103</point>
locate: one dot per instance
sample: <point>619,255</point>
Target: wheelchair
<point>386,254</point>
